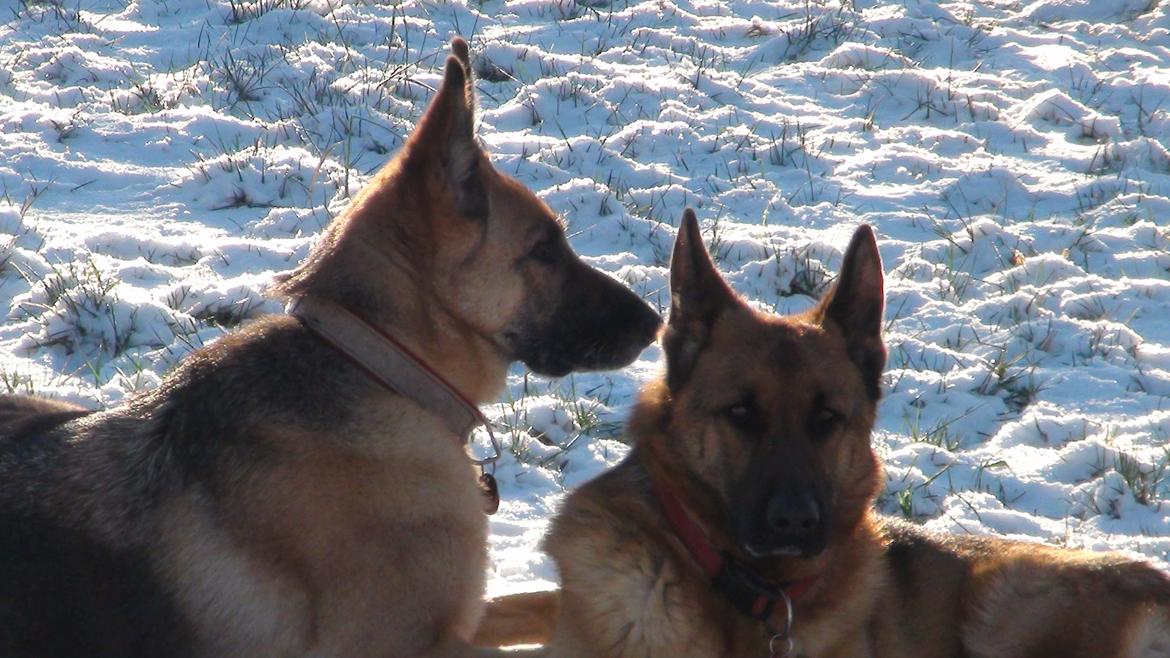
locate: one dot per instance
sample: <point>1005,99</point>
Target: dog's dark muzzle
<point>599,324</point>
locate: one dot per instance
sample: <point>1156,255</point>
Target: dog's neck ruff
<point>391,364</point>
<point>748,592</point>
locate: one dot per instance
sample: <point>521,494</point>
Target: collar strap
<point>750,594</point>
<point>391,364</point>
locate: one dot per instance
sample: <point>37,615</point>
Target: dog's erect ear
<point>697,291</point>
<point>856,304</point>
<point>448,131</point>
<point>697,296</point>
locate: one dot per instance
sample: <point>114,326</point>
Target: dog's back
<point>962,595</point>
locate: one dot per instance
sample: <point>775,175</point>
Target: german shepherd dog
<point>271,498</point>
<point>742,523</point>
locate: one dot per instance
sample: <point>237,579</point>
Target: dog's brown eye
<point>823,422</point>
<point>547,252</point>
<point>743,416</point>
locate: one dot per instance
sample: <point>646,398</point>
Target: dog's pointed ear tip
<point>460,51</point>
<point>689,227</point>
<point>864,234</point>
<point>864,244</point>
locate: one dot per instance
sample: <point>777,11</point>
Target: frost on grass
<point>258,177</point>
<point>162,161</point>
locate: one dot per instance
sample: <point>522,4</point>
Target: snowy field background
<point>161,160</point>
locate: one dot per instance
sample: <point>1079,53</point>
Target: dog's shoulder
<point>609,513</point>
<point>271,366</point>
<point>203,419</point>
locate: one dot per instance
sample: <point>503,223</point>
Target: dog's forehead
<point>763,349</point>
<point>792,342</point>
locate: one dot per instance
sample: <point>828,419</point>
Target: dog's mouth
<point>550,366</point>
<point>555,363</point>
<point>758,552</point>
<point>538,358</point>
<point>760,541</point>
<point>788,521</point>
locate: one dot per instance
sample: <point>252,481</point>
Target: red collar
<point>748,592</point>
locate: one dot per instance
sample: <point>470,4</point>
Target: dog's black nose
<point>630,325</point>
<point>794,514</point>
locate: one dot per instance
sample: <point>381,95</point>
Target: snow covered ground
<point>160,160</point>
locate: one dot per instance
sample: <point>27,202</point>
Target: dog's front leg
<point>526,618</point>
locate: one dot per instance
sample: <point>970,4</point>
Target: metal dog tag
<point>491,493</point>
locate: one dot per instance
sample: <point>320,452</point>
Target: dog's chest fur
<point>322,553</point>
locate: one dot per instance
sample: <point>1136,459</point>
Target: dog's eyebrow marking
<point>734,393</point>
<point>785,347</point>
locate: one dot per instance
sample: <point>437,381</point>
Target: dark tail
<point>25,415</point>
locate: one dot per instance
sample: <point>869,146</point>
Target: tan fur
<point>884,589</point>
<point>236,597</point>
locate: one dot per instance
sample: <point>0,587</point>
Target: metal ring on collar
<point>495,456</point>
<point>784,652</point>
<point>782,635</point>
